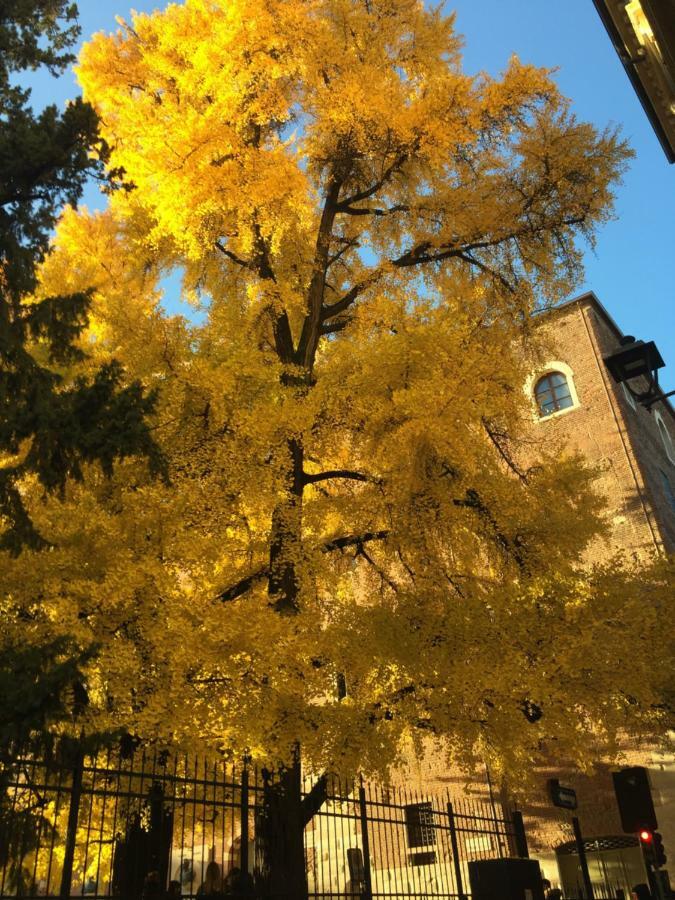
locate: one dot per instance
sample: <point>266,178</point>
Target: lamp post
<point>637,359</point>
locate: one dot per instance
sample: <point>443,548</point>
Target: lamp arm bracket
<point>653,400</point>
<point>651,395</point>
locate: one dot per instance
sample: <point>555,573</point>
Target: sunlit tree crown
<point>366,232</point>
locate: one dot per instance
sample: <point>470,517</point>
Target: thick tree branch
<point>314,800</point>
<point>342,543</point>
<point>351,296</point>
<point>244,263</point>
<point>334,327</point>
<point>311,328</point>
<point>241,587</point>
<point>312,478</point>
<point>365,194</point>
<point>354,540</point>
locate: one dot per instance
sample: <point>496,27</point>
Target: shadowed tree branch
<point>239,588</point>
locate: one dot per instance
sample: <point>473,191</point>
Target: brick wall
<point>623,440</point>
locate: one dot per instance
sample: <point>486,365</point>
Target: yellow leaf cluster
<point>368,232</point>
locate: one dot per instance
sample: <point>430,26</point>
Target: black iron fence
<point>157,824</point>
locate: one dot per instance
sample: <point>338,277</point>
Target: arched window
<point>552,393</point>
<point>665,437</point>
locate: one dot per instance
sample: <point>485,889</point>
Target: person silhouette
<point>213,881</point>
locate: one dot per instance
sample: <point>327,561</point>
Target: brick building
<point>578,406</point>
<point>634,449</point>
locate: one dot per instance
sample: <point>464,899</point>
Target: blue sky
<point>631,270</point>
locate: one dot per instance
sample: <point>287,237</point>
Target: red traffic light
<point>646,836</point>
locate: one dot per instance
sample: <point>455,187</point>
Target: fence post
<point>519,834</point>
<point>73,819</point>
<point>367,882</point>
<point>583,861</point>
<point>455,852</point>
<point>243,863</point>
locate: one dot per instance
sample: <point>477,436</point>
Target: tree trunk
<point>280,835</point>
<point>282,826</point>
<point>286,538</point>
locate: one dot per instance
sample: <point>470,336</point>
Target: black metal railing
<point>156,824</point>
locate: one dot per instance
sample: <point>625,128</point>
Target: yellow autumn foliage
<point>367,233</point>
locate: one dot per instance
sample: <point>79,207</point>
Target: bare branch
<point>467,257</point>
<point>499,440</point>
<point>337,325</point>
<point>347,245</point>
<point>374,211</point>
<point>420,254</point>
<point>512,547</point>
<point>385,579</point>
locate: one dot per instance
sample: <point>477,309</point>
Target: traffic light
<point>652,845</point>
<point>634,799</point>
<point>660,858</point>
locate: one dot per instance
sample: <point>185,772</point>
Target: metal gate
<point>147,822</point>
<point>395,843</point>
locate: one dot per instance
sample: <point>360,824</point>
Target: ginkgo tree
<point>354,500</point>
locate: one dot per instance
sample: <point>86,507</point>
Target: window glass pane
<point>561,391</point>
<point>420,825</point>
<point>667,441</point>
<point>552,393</point>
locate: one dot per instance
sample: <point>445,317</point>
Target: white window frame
<point>630,399</point>
<point>550,367</point>
<point>665,435</point>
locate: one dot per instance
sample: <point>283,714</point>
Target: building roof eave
<point>589,298</point>
<point>658,117</point>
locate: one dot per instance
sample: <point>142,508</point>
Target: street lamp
<point>637,359</point>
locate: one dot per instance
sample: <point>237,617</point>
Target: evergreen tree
<point>50,425</point>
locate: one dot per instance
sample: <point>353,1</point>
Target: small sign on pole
<point>564,797</point>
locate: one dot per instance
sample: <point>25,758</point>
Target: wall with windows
<point>602,420</point>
